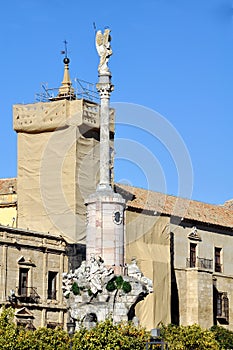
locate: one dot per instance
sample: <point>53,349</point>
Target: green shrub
<point>126,287</point>
<point>118,283</point>
<point>223,336</point>
<point>51,339</point>
<point>110,286</point>
<point>75,289</point>
<point>189,338</point>
<point>8,330</point>
<point>17,338</point>
<point>107,336</point>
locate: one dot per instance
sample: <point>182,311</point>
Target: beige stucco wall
<point>147,240</point>
<point>42,194</point>
<point>8,209</point>
<point>8,215</point>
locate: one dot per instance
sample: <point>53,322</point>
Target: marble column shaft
<point>104,88</point>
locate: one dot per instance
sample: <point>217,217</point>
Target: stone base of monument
<point>95,293</point>
<point>105,227</point>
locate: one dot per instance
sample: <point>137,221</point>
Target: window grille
<point>222,307</point>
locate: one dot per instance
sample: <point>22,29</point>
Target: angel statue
<point>104,50</point>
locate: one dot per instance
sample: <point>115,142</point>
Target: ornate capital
<point>104,89</point>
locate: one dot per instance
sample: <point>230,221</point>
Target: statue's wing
<point>106,37</point>
<point>99,41</point>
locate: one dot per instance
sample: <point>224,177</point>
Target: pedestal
<point>105,228</point>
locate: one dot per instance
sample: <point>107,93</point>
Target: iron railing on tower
<point>82,89</point>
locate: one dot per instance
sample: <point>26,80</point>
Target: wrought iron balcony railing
<point>200,262</point>
<point>27,294</point>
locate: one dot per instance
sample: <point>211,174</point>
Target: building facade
<point>188,258</point>
<point>200,264</point>
<point>183,246</point>
<point>8,202</point>
<point>32,265</point>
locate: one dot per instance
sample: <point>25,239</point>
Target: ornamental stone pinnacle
<point>66,89</point>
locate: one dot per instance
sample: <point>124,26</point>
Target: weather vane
<point>64,52</point>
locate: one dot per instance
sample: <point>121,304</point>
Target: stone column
<point>105,209</point>
<point>104,88</point>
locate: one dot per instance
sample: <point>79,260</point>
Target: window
<point>193,254</point>
<point>53,325</point>
<point>52,277</point>
<point>222,307</point>
<point>23,282</point>
<point>217,259</point>
<point>27,324</point>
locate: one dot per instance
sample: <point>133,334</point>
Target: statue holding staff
<point>104,50</point>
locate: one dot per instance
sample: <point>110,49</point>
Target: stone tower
<point>58,161</point>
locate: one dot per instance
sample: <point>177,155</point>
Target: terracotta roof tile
<point>229,204</point>
<point>8,185</point>
<point>142,199</point>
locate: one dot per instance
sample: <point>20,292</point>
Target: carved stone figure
<point>99,293</point>
<point>134,271</point>
<point>104,50</point>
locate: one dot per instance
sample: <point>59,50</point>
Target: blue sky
<point>172,56</point>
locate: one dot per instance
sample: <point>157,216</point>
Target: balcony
<point>27,295</point>
<point>200,262</point>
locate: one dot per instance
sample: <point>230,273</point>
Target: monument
<point>104,285</point>
<point>105,209</point>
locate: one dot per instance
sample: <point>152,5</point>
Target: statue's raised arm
<point>104,50</point>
